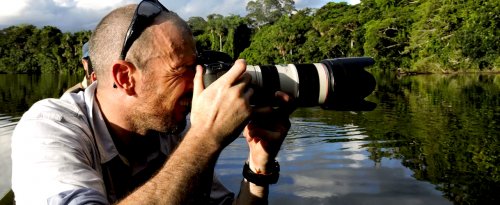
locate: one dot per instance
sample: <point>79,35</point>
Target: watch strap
<point>262,179</point>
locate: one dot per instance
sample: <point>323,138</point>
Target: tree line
<point>404,35</point>
<point>28,49</point>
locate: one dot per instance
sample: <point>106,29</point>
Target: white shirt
<point>62,152</point>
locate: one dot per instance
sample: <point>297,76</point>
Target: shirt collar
<point>104,142</point>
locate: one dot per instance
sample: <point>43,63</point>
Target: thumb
<point>198,86</point>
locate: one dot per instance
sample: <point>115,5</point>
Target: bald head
<point>107,40</point>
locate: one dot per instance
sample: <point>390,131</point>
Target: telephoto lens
<point>333,84</point>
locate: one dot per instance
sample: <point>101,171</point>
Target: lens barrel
<point>333,84</point>
<point>352,83</point>
<point>307,83</point>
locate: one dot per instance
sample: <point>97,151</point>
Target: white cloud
<point>64,3</point>
<point>352,2</point>
<point>101,4</point>
<point>68,15</point>
<point>299,4</point>
<point>10,8</point>
<point>204,8</point>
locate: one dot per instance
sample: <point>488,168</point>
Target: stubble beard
<point>153,115</point>
<point>144,122</point>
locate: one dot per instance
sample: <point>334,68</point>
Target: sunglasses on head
<point>144,15</point>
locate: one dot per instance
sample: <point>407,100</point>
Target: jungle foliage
<point>403,35</point>
<point>28,49</point>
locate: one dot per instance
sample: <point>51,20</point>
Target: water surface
<point>433,139</point>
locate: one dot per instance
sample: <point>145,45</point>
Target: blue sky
<point>75,15</point>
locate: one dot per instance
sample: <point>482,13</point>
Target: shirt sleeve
<point>51,155</point>
<point>83,196</point>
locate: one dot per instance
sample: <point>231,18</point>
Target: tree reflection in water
<point>445,128</point>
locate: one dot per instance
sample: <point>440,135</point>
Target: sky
<point>77,15</point>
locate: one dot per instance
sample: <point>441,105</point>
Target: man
<point>119,141</point>
<point>89,77</point>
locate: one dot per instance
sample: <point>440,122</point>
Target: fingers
<point>260,111</point>
<point>286,105</point>
<point>248,94</point>
<point>198,81</point>
<point>242,84</point>
<point>283,96</point>
<point>235,72</point>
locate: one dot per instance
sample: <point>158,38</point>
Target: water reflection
<point>432,139</point>
<point>444,130</point>
<point>7,124</point>
<point>17,93</point>
<point>330,164</point>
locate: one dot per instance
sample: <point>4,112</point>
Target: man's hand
<point>218,115</point>
<point>266,131</point>
<point>221,110</point>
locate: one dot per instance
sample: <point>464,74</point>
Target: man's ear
<point>93,77</point>
<point>123,78</point>
<point>85,64</point>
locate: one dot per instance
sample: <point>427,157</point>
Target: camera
<point>333,84</point>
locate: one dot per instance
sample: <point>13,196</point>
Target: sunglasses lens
<point>144,16</point>
<point>148,9</point>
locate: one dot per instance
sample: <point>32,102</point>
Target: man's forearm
<point>251,193</point>
<point>188,170</point>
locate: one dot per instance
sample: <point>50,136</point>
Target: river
<point>433,139</point>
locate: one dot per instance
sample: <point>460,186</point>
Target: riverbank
<point>401,72</point>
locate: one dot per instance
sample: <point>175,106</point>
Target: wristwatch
<point>262,179</point>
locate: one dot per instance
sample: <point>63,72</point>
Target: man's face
<point>165,88</point>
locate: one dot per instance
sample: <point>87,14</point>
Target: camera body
<point>334,84</point>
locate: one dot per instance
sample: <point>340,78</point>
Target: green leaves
<point>416,36</point>
<point>27,49</point>
<point>263,12</point>
<point>404,35</point>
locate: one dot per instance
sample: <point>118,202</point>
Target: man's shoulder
<point>53,141</point>
<point>55,109</point>
<point>53,122</point>
<point>69,111</point>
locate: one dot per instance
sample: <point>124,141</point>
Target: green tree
<point>217,29</point>
<point>263,12</point>
<point>457,35</point>
<point>49,56</point>
<point>229,34</point>
<point>238,35</point>
<point>403,35</point>
<point>339,29</point>
<point>199,27</point>
<point>387,37</point>
<point>281,42</point>
<point>16,44</point>
<point>27,49</point>
<point>479,37</point>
